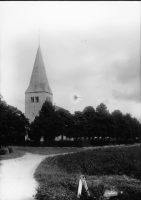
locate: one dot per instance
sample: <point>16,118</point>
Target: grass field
<point>15,154</point>
<point>116,167</point>
<point>19,151</point>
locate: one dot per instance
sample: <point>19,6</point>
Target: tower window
<point>32,99</point>
<point>36,99</point>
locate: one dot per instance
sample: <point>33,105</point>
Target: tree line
<point>91,125</point>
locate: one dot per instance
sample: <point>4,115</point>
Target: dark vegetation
<point>91,127</point>
<point>117,167</point>
<point>102,161</point>
<point>86,128</point>
<point>13,125</point>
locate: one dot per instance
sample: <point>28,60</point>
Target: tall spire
<point>39,81</point>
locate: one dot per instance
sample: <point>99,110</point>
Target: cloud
<point>133,95</point>
<point>128,70</point>
<point>127,77</point>
<point>93,52</point>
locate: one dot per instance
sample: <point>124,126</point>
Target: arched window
<point>36,99</point>
<point>32,99</point>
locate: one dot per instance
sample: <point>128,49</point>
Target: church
<point>38,90</point>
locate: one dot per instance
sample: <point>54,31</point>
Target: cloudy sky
<point>91,49</point>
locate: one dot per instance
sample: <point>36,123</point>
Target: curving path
<point>16,177</point>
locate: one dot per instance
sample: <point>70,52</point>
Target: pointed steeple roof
<point>39,81</point>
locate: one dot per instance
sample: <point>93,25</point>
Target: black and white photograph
<point>70,100</point>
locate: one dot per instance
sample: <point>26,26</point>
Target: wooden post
<point>82,182</point>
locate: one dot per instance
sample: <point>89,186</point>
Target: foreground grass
<point>115,167</point>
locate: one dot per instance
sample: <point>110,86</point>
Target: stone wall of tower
<point>32,108</point>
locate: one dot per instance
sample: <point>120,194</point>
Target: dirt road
<point>16,177</point>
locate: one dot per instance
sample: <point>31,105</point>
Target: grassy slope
<point>104,168</point>
<point>47,150</point>
<point>15,154</point>
<point>20,151</point>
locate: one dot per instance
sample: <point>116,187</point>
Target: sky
<point>90,49</point>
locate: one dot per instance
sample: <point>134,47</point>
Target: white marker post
<point>79,188</point>
<point>82,182</point>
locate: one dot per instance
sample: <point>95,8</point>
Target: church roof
<point>39,81</point>
<point>57,108</point>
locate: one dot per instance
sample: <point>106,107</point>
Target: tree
<point>136,129</point>
<point>89,115</point>
<point>89,111</point>
<point>46,124</point>
<point>129,127</point>
<point>119,123</point>
<point>13,124</point>
<point>79,125</point>
<point>66,122</point>
<point>111,128</point>
<point>101,109</point>
<point>102,116</point>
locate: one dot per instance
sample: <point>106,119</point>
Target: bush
<point>4,151</point>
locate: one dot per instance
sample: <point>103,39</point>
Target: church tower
<point>38,90</point>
